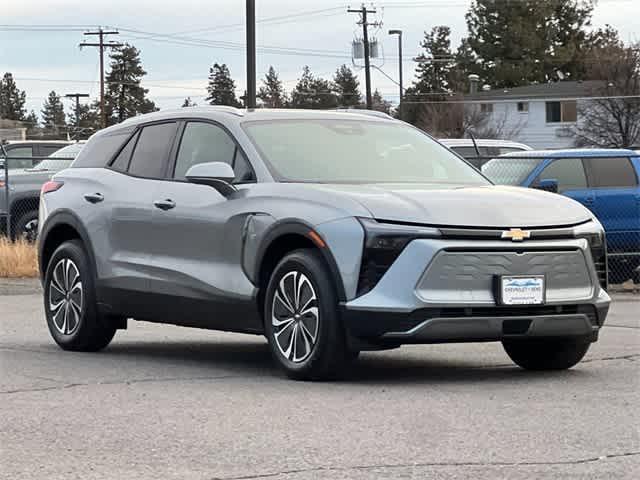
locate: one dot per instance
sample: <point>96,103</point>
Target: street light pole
<point>399,33</point>
<point>251,54</point>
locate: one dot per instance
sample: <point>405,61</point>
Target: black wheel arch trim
<point>64,217</point>
<point>302,228</point>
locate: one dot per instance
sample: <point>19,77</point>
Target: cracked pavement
<point>174,403</point>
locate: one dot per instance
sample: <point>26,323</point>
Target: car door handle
<point>164,204</point>
<point>94,197</point>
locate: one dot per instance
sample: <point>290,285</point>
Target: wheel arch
<point>61,227</point>
<point>283,238</point>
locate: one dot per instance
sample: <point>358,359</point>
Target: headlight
<point>594,233</point>
<point>383,244</point>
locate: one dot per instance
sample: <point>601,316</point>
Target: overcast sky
<point>46,60</point>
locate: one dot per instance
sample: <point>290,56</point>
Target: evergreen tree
<point>53,117</point>
<point>313,92</point>
<point>12,99</point>
<point>347,87</point>
<point>125,97</point>
<point>32,120</point>
<point>518,43</point>
<point>188,103</point>
<point>88,120</point>
<point>379,103</point>
<point>434,70</point>
<point>272,92</point>
<point>221,89</point>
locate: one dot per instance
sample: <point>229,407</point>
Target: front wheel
<point>302,322</point>
<point>546,354</point>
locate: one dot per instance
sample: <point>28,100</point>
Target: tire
<point>546,354</point>
<point>307,337</point>
<point>73,319</point>
<point>26,227</point>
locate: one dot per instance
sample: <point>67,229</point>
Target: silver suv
<point>327,232</point>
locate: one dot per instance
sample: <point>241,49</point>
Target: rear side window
<point>568,172</point>
<point>152,149</point>
<point>46,150</point>
<point>611,172</point>
<point>99,151</point>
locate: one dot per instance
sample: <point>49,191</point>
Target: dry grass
<point>18,259</point>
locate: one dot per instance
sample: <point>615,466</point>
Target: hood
<point>484,206</point>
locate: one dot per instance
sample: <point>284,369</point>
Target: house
<point>539,115</point>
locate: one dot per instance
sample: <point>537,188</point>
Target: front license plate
<point>522,290</point>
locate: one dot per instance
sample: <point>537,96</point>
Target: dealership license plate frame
<point>532,298</point>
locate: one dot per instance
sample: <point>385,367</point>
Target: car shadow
<point>253,359</point>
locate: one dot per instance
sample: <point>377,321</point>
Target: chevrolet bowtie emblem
<point>516,234</point>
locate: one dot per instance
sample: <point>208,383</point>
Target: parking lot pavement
<point>173,403</point>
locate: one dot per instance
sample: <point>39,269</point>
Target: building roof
<point>541,90</point>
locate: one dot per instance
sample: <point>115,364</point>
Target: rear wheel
<point>26,227</point>
<point>302,321</point>
<point>70,301</point>
<point>546,354</point>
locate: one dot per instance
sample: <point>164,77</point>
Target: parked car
<point>24,190</point>
<point>327,232</point>
<point>604,181</point>
<point>28,149</point>
<point>466,148</point>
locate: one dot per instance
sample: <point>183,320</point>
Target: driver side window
<point>568,172</point>
<point>203,143</point>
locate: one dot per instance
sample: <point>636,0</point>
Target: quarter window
<point>562,111</point>
<point>568,172</point>
<point>611,172</point>
<point>151,151</point>
<point>121,162</point>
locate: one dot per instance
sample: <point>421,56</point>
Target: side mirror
<point>218,175</point>
<point>548,185</point>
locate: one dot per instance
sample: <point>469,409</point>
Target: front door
<point>197,238</point>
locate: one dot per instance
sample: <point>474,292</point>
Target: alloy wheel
<point>294,316</point>
<point>66,297</point>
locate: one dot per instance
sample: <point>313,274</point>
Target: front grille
<point>517,311</point>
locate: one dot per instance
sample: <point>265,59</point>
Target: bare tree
<point>612,117</point>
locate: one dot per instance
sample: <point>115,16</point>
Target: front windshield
<point>60,159</point>
<point>356,151</point>
<point>510,170</point>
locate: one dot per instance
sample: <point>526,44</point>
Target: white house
<point>538,115</point>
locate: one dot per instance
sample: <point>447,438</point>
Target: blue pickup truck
<point>607,182</point>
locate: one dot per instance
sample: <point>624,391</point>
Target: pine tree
<point>125,97</point>
<point>313,92</point>
<point>32,120</point>
<point>272,92</point>
<point>221,89</point>
<point>53,117</point>
<point>347,87</point>
<point>88,120</point>
<point>12,99</point>
<point>518,43</point>
<point>188,103</point>
<point>379,103</point>
<point>433,73</point>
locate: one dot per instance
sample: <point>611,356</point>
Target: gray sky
<point>46,60</point>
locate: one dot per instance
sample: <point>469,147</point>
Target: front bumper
<point>442,291</point>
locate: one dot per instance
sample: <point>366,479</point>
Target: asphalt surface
<point>165,402</point>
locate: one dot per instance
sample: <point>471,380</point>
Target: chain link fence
<point>21,179</point>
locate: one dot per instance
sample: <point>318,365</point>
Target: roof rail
<point>363,111</point>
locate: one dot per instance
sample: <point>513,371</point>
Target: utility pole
<point>101,46</point>
<point>399,33</point>
<point>251,54</point>
<point>77,96</point>
<point>365,38</point>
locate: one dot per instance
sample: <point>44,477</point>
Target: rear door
<point>128,193</point>
<point>617,206</point>
<point>572,180</point>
